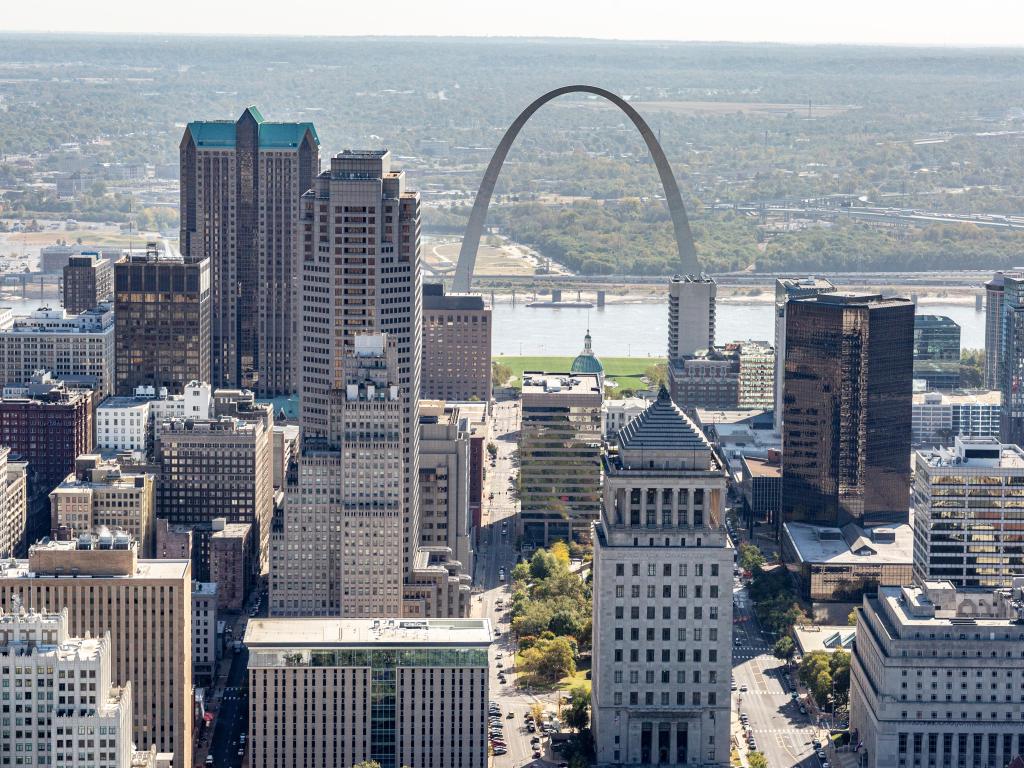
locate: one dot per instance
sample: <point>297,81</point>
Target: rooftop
<point>220,134</point>
<point>819,637</point>
<point>854,299</point>
<point>204,588</point>
<point>434,297</point>
<point>662,427</point>
<point>939,602</point>
<point>341,633</point>
<point>759,467</point>
<point>541,383</point>
<point>851,545</point>
<point>960,397</point>
<point>975,453</point>
<point>701,278</point>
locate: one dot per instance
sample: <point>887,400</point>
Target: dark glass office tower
<point>846,426</point>
<point>162,320</point>
<point>937,351</point>
<point>1011,370</point>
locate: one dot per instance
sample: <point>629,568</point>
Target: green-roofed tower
<point>240,187</point>
<point>586,361</point>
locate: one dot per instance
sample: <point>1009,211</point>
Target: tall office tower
<point>560,456</point>
<point>456,346</point>
<point>847,421</point>
<point>785,289</point>
<point>216,468</point>
<point>965,643</point>
<point>967,513</point>
<point>162,308</point>
<point>662,598</point>
<point>240,187</point>
<point>691,314</point>
<point>102,494</point>
<point>13,504</point>
<point>360,277</point>
<point>63,692</point>
<point>937,351</point>
<point>88,281</point>
<point>993,330</point>
<point>145,605</point>
<point>1011,366</point>
<point>336,692</point>
<point>76,348</point>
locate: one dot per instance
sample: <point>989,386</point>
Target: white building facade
<point>128,423</point>
<point>662,616</point>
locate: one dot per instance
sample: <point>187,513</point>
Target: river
<point>641,330</point>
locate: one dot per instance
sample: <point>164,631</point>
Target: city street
<point>497,550</point>
<point>781,732</point>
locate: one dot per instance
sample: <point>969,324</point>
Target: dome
<point>586,361</point>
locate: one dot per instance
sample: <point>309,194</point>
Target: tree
<point>500,374</point>
<point>657,375</point>
<point>542,564</point>
<point>537,711</point>
<point>851,618</point>
<point>492,450</point>
<point>757,760</point>
<point>750,558</point>
<point>548,661</point>
<point>784,648</point>
<point>367,764</point>
<point>520,571</point>
<point>561,552</point>
<point>577,714</point>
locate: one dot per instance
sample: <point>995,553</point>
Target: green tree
<point>549,660</point>
<point>757,760</point>
<point>577,714</point>
<point>500,374</point>
<point>750,557</point>
<point>972,368</point>
<point>851,618</point>
<point>542,564</point>
<point>561,552</point>
<point>520,572</point>
<point>784,648</point>
<point>657,375</point>
<point>367,764</point>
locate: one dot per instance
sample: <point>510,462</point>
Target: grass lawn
<point>626,371</point>
<point>580,678</point>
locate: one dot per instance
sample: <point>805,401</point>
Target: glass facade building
<point>937,351</point>
<point>847,420</point>
<point>1011,371</point>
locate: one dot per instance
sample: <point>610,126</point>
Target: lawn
<point>626,371</point>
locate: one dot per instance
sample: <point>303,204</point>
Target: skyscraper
<point>360,282</point>
<point>691,314</point>
<point>993,330</point>
<point>240,187</point>
<point>88,280</point>
<point>162,317</point>
<point>786,289</point>
<point>847,421</point>
<point>662,598</point>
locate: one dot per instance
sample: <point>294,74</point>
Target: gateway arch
<point>477,218</point>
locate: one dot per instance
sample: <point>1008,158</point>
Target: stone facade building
<point>937,677</point>
<point>13,505</point>
<point>662,625</point>
<point>456,346</point>
<point>107,588</point>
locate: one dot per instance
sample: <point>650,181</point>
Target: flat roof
<point>759,467</point>
<point>961,397</point>
<point>823,637</point>
<point>835,550</point>
<point>542,383</point>
<point>341,633</point>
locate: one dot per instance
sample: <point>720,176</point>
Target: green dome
<point>586,361</point>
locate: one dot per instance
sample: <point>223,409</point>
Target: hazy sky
<point>918,22</point>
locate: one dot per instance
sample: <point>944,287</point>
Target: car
<point>816,744</point>
<point>738,641</point>
<point>209,759</point>
<point>563,765</point>
<point>732,687</point>
<point>825,764</point>
<point>743,688</point>
<point>793,695</point>
<point>535,740</point>
<point>510,716</point>
<point>241,752</point>
<point>531,728</point>
<point>821,754</point>
<point>536,754</point>
<point>241,739</point>
<point>744,716</point>
<point>499,665</point>
<point>500,655</point>
<point>500,751</point>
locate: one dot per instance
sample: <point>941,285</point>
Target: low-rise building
<point>395,691</point>
<point>938,417</point>
<point>967,513</point>
<point>70,346</point>
<point>102,494</point>
<point>617,413</point>
<point>937,677</point>
<point>761,484</point>
<point>205,648</point>
<point>823,637</point>
<point>63,691</point>
<point>128,423</point>
<point>840,565</point>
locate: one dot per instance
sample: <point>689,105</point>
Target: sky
<point>913,22</point>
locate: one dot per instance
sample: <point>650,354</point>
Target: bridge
<point>478,217</point>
